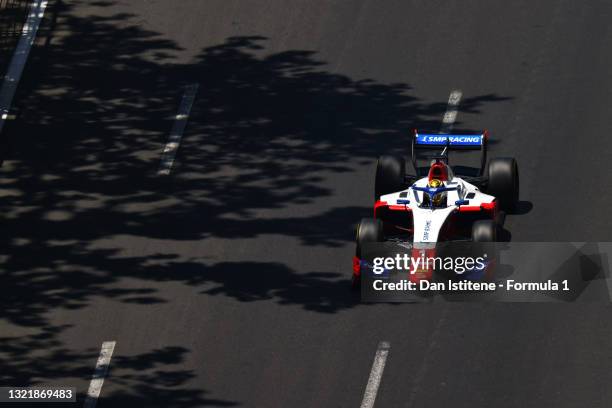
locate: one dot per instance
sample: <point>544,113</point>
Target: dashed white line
<point>180,121</point>
<point>451,111</point>
<point>97,380</point>
<point>378,366</point>
<point>20,57</point>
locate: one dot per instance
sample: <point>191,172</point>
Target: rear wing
<point>451,141</point>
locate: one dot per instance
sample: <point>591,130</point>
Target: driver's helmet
<point>438,199</point>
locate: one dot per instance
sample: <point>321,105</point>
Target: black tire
<point>369,230</point>
<point>484,231</point>
<point>390,175</point>
<point>355,283</point>
<point>503,182</point>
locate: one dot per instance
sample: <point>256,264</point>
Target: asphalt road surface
<point>225,283</point>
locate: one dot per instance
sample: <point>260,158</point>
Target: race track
<point>226,282</point>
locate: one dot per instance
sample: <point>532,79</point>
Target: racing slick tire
<point>369,230</point>
<point>390,175</point>
<point>484,231</point>
<point>503,182</point>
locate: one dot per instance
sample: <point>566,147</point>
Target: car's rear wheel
<point>503,182</point>
<point>390,175</point>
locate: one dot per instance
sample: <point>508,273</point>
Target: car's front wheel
<point>484,231</point>
<point>369,231</point>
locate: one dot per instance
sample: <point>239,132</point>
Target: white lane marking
<point>20,57</point>
<point>97,380</point>
<point>180,121</point>
<point>378,366</point>
<point>451,111</point>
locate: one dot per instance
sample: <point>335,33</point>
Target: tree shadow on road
<point>149,379</point>
<point>275,146</point>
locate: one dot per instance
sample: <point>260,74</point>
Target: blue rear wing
<point>450,141</point>
<point>432,140</point>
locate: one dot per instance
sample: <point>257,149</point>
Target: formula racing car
<point>440,202</point>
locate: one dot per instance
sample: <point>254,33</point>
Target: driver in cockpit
<point>438,200</point>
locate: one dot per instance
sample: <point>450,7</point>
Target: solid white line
<point>95,386</point>
<point>180,121</point>
<point>451,111</point>
<point>378,366</point>
<point>20,57</point>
